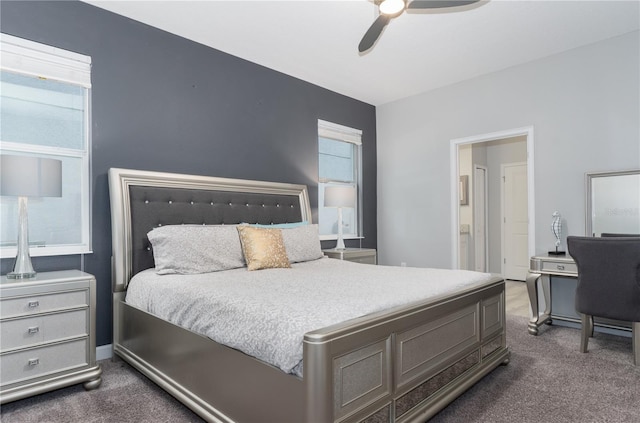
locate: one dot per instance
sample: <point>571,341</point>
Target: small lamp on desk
<point>556,228</point>
<point>22,177</point>
<point>339,196</point>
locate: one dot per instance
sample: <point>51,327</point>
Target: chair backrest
<point>608,276</point>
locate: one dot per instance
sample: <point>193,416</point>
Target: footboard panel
<point>424,350</point>
<point>408,364</point>
<point>362,377</point>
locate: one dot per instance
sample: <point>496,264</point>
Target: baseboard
<point>104,352</point>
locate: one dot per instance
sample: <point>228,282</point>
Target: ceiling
<point>317,40</point>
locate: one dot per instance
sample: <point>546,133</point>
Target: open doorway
<point>482,240</point>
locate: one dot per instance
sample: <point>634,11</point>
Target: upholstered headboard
<point>143,200</point>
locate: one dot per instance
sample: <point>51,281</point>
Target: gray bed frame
<point>401,365</point>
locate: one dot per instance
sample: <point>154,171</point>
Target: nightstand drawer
<point>37,362</point>
<point>365,260</point>
<point>554,266</point>
<point>24,332</point>
<point>41,303</point>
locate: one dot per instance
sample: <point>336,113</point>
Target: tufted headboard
<point>143,200</point>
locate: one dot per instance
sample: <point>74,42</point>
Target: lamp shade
<point>339,196</point>
<point>26,176</point>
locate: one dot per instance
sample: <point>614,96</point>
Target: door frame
<point>454,183</point>
<point>502,215</point>
<point>486,214</point>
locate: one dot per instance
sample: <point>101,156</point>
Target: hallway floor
<point>517,298</point>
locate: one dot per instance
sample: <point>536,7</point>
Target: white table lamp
<point>339,196</point>
<point>22,177</point>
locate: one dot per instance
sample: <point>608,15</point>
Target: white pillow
<point>302,243</point>
<point>189,249</point>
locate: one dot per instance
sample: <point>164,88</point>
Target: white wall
<point>584,105</point>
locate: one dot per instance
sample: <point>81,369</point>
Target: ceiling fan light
<point>391,7</point>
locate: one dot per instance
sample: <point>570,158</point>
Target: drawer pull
<point>33,304</point>
<point>33,330</point>
<point>560,267</point>
<point>33,361</point>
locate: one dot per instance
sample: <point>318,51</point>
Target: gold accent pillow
<point>263,248</point>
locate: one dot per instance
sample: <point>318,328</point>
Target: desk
<point>543,267</point>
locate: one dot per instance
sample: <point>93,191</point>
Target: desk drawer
<point>555,267</point>
<point>41,303</point>
<point>28,364</point>
<point>24,332</point>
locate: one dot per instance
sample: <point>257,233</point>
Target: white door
<point>480,217</point>
<point>515,256</point>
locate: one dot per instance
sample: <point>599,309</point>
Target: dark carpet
<point>547,380</point>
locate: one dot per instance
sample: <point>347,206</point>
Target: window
<point>339,156</point>
<point>45,110</point>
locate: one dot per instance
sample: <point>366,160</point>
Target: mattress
<point>266,313</point>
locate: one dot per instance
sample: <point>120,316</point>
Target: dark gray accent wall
<point>164,103</point>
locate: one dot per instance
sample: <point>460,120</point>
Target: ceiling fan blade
<point>438,4</point>
<point>373,33</point>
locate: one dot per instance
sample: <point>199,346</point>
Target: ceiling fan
<point>390,9</point>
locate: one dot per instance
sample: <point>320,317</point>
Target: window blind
<point>339,132</point>
<point>30,58</point>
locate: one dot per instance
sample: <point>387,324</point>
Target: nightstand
<point>47,329</point>
<point>358,255</point>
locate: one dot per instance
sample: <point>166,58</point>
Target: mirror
<point>613,203</point>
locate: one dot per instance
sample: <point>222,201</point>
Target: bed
<point>401,364</point>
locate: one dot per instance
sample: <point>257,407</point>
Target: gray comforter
<point>266,313</point>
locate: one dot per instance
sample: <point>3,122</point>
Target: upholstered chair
<point>608,283</point>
